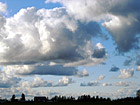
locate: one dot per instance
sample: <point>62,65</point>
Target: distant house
<point>40,99</point>
<point>138,93</point>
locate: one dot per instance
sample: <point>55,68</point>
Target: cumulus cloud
<point>114,69</point>
<point>7,81</point>
<point>39,82</point>
<point>138,68</point>
<point>99,52</point>
<point>3,7</point>
<point>83,73</point>
<point>126,73</point>
<point>33,35</point>
<point>123,83</point>
<point>101,77</point>
<point>119,19</point>
<point>106,84</point>
<point>40,69</point>
<point>91,83</point>
<point>65,81</point>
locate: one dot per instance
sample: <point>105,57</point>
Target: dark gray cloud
<point>53,70</point>
<point>120,20</point>
<point>128,62</point>
<point>99,53</point>
<point>114,69</point>
<point>44,69</point>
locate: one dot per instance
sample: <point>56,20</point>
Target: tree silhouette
<point>22,97</point>
<point>13,98</point>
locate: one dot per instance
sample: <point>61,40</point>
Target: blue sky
<point>60,47</point>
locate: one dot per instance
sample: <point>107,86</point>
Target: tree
<point>13,98</point>
<point>138,94</point>
<point>22,97</point>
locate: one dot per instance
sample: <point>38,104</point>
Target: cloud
<point>65,81</point>
<point>99,52</point>
<point>128,62</point>
<point>126,73</point>
<point>83,73</point>
<point>114,69</point>
<point>7,81</point>
<point>91,83</point>
<point>106,84</point>
<point>101,77</point>
<point>3,7</point>
<point>123,83</point>
<point>39,82</point>
<point>44,69</point>
<point>122,23</point>
<point>125,92</point>
<point>49,35</point>
<point>138,68</point>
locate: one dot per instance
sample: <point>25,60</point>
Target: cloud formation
<point>55,36</point>
<point>91,83</point>
<point>120,20</point>
<point>65,81</point>
<point>40,69</point>
<point>114,69</point>
<point>138,68</point>
<point>123,83</point>
<point>8,80</point>
<point>101,77</point>
<point>40,82</point>
<point>3,7</point>
<point>106,84</point>
<point>126,73</point>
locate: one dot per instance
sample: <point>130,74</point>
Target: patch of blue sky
<point>15,5</point>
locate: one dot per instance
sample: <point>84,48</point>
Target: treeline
<point>88,98</point>
<point>83,98</point>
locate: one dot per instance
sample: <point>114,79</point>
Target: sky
<point>69,47</point>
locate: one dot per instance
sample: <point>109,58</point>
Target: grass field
<point>77,103</point>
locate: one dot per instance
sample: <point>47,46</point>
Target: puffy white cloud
<point>126,73</point>
<point>138,68</point>
<point>91,83</point>
<point>65,81</point>
<point>119,19</point>
<point>106,84</point>
<point>3,7</point>
<point>101,77</point>
<point>39,82</point>
<point>83,73</point>
<point>125,92</point>
<point>33,35</point>
<point>123,83</point>
<point>7,81</point>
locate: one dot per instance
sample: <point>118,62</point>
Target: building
<point>40,99</point>
<point>138,93</point>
